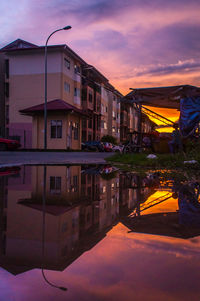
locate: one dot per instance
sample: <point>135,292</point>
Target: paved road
<point>19,158</point>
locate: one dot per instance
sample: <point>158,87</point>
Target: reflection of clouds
<point>120,267</point>
<point>160,244</point>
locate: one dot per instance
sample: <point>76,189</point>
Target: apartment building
<point>92,81</point>
<point>110,112</point>
<point>114,113</point>
<point>74,96</point>
<point>130,121</point>
<point>25,91</point>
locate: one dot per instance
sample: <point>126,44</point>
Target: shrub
<point>108,138</point>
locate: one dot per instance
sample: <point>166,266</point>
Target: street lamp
<point>45,85</point>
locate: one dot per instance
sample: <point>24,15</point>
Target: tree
<point>108,138</point>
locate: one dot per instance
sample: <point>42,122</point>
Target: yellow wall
<point>56,143</point>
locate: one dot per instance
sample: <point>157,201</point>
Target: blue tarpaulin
<point>189,115</point>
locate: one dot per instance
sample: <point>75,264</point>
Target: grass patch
<point>166,161</point>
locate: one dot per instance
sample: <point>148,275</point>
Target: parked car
<point>93,146</point>
<point>118,148</point>
<point>9,171</point>
<point>108,146</point>
<point>9,144</point>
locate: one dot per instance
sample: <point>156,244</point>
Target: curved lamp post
<point>45,85</point>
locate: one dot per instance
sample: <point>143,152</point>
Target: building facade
<point>110,112</point>
<point>70,79</point>
<point>25,85</point>
<point>132,121</point>
<point>82,104</point>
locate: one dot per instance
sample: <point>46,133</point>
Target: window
<point>67,63</point>
<point>76,131</point>
<point>56,128</point>
<point>7,89</point>
<point>77,92</point>
<point>98,103</point>
<point>75,183</point>
<point>90,96</point>
<point>67,87</point>
<point>7,114</point>
<point>77,69</point>
<point>90,123</point>
<point>106,109</point>
<point>75,180</point>
<point>55,185</point>
<point>7,68</point>
<point>84,123</point>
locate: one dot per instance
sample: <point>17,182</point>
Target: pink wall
<point>24,131</point>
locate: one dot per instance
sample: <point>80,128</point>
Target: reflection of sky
<point>134,43</point>
<point>169,205</point>
<point>123,266</point>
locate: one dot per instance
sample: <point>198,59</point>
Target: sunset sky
<point>134,43</point>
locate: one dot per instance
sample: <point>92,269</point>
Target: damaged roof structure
<point>185,98</point>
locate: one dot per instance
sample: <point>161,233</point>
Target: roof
<point>163,97</point>
<point>21,46</point>
<point>91,70</point>
<point>18,44</point>
<point>57,105</point>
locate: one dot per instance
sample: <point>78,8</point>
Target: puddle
<point>98,232</point>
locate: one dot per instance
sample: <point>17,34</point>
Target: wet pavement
<point>19,158</point>
<point>97,233</point>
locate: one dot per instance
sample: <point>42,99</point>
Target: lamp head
<point>67,27</point>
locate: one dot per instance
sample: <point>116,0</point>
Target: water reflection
<point>80,207</point>
<point>51,215</point>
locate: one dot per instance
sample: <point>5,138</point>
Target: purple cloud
<point>123,39</point>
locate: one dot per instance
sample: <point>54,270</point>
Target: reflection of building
<point>81,205</point>
<point>134,190</point>
<point>74,222</point>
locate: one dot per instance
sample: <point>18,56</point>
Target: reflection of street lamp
<point>43,232</point>
<point>51,284</point>
<point>45,85</point>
